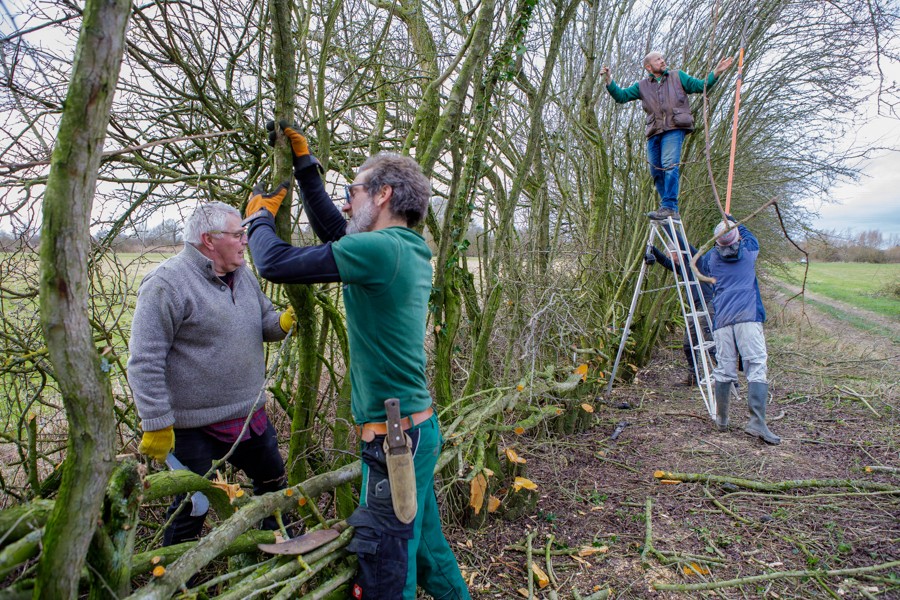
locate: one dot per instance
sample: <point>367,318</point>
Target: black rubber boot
<point>757,396</point>
<point>723,397</point>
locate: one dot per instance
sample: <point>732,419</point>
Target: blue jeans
<point>664,155</point>
<point>258,457</point>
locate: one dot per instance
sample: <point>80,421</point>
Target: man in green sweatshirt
<point>669,120</point>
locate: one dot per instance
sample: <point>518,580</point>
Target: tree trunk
<point>65,240</point>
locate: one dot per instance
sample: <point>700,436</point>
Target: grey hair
<point>207,217</point>
<point>651,54</point>
<point>411,190</point>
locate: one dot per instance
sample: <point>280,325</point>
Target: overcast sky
<point>871,203</point>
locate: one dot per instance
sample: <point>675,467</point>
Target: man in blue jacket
<point>664,98</point>
<point>385,267</point>
<point>738,324</point>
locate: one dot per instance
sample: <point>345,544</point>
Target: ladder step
<point>706,345</point>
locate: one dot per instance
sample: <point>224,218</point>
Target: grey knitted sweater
<point>196,348</point>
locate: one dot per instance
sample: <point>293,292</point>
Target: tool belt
<point>368,431</point>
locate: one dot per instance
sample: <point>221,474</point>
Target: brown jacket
<point>666,104</point>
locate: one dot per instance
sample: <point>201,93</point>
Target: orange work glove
<point>299,145</point>
<point>158,444</point>
<point>271,201</point>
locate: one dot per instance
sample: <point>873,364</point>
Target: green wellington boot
<point>723,396</point>
<point>757,395</point>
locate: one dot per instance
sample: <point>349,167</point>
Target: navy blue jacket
<point>737,298</point>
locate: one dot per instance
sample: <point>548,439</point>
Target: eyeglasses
<point>238,235</point>
<point>347,190</point>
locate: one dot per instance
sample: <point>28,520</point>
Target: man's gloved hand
<point>158,444</point>
<point>299,145</point>
<point>649,258</point>
<point>288,319</point>
<point>271,201</point>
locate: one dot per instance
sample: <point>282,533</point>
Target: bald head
<point>655,63</point>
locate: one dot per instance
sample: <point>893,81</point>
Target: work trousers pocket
<point>380,543</point>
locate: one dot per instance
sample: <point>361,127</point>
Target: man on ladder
<point>669,120</point>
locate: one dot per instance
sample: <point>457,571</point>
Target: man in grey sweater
<point>197,368</point>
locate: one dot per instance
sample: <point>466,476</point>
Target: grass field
<point>872,287</point>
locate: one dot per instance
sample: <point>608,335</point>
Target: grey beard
<point>362,221</point>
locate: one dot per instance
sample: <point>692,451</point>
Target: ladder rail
<point>690,290</point>
<point>671,236</point>
<point>626,331</point>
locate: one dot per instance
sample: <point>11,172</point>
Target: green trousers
<point>391,552</point>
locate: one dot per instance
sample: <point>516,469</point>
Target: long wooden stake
<point>734,129</point>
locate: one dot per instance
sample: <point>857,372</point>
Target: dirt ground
<point>834,394</point>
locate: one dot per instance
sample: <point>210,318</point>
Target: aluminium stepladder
<point>670,236</point>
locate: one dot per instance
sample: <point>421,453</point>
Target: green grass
<point>868,286</point>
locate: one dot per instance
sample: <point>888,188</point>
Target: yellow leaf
<point>587,408</point>
<point>493,504</point>
<point>589,550</point>
<point>633,367</point>
<point>477,488</point>
<point>659,474</point>
<point>487,472</point>
<point>669,481</point>
<point>513,457</point>
<point>523,592</point>
<point>519,430</point>
<point>522,482</point>
<point>232,489</point>
<point>156,560</point>
<point>582,370</point>
<point>695,569</point>
<point>159,571</point>
<point>559,411</point>
<point>539,576</point>
<point>868,469</point>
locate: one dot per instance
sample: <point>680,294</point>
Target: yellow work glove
<point>271,201</point>
<point>158,444</point>
<point>288,319</point>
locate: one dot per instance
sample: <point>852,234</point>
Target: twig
<point>550,574</point>
<point>859,397</point>
<point>709,243</point>
<point>777,486</point>
<point>881,469</point>
<point>779,575</point>
<point>615,463</point>
<point>528,571</point>
<point>805,264</point>
<point>10,167</point>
